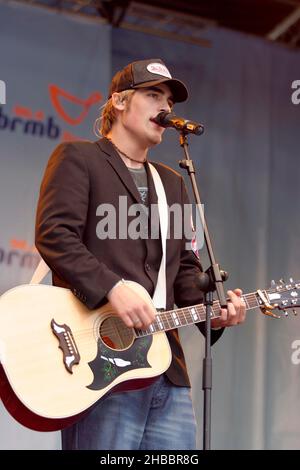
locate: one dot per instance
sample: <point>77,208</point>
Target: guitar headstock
<point>281,296</point>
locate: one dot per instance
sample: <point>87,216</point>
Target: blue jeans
<point>159,417</point>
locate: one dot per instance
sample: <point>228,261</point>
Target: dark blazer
<point>79,177</point>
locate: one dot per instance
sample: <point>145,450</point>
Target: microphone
<point>165,119</point>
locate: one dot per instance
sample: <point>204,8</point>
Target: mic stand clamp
<point>208,282</point>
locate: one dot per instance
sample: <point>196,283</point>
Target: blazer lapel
<point>120,168</point>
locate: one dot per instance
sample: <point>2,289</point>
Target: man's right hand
<point>130,307</point>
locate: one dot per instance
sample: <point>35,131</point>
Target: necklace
<point>124,154</point>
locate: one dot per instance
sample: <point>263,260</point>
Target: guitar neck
<point>179,317</point>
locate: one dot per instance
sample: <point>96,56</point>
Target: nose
<point>166,107</point>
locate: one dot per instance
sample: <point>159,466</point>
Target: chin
<point>155,139</point>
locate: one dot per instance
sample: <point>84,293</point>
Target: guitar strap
<point>160,293</point>
<point>40,272</point>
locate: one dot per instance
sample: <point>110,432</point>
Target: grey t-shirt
<point>139,176</point>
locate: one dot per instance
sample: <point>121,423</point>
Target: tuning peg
<point>286,313</point>
<point>273,283</point>
<point>295,312</point>
<point>282,281</point>
<point>291,280</point>
<point>269,313</point>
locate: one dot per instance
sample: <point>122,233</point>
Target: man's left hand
<point>234,314</point>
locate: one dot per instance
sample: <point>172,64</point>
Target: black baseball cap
<point>147,73</point>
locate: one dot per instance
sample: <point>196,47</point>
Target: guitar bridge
<point>67,344</point>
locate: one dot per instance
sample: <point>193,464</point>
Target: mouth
<point>152,119</point>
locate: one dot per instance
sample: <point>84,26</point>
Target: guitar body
<point>59,358</point>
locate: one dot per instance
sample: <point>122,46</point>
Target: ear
<point>118,102</point>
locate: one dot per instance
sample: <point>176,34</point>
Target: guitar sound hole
<point>115,334</point>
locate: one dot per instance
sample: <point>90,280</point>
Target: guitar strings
<point>170,319</point>
<point>167,319</point>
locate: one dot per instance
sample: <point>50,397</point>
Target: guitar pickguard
<point>109,363</point>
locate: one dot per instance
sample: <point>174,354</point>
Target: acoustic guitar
<point>58,358</point>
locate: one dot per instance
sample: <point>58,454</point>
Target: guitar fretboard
<point>171,319</point>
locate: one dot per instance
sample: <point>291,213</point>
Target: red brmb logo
<point>60,98</point>
<point>71,109</point>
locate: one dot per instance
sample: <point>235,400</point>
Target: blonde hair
<point>104,122</point>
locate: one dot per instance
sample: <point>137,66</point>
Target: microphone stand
<point>208,282</point>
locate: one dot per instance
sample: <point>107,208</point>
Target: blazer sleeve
<point>186,291</point>
<point>60,223</point>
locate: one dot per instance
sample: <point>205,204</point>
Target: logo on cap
<point>159,69</point>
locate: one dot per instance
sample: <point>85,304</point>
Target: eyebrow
<point>158,90</point>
